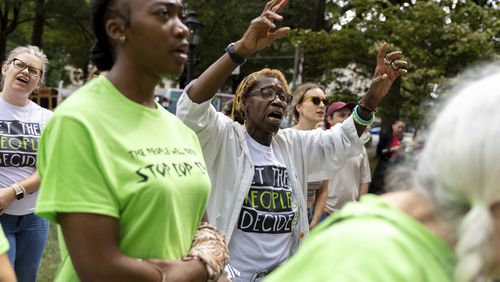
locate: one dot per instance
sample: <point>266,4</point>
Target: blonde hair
<point>34,50</point>
<point>298,96</point>
<point>458,170</point>
<point>247,83</point>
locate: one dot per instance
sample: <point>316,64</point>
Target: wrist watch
<point>19,192</point>
<point>231,51</point>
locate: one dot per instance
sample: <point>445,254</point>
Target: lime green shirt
<point>104,154</point>
<point>369,241</point>
<point>4,244</point>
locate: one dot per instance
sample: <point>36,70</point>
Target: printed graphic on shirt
<point>268,207</point>
<point>18,143</point>
<point>164,169</point>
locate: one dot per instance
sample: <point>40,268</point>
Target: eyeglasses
<point>316,100</point>
<point>270,94</point>
<point>20,65</point>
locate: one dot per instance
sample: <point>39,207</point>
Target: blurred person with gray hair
<point>445,227</point>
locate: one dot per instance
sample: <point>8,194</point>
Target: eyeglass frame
<point>30,68</point>
<point>314,100</point>
<point>287,96</point>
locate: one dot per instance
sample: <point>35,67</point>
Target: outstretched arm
<point>387,70</point>
<point>261,32</point>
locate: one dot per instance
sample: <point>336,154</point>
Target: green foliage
<point>66,37</point>
<point>439,40</point>
<point>227,23</point>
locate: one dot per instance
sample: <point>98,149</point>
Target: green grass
<point>51,258</point>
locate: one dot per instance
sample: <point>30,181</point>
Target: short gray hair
<point>34,50</point>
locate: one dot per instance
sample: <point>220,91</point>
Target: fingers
<point>401,71</point>
<point>399,64</point>
<point>268,19</point>
<point>393,55</point>
<point>381,54</point>
<point>280,6</point>
<point>279,33</point>
<point>272,16</point>
<point>379,79</point>
<point>271,5</point>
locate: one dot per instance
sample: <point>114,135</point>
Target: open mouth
<point>22,79</point>
<point>275,116</point>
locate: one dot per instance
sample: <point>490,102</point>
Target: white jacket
<point>308,155</point>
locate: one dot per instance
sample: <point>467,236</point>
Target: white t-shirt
<point>343,186</point>
<point>263,235</point>
<point>20,130</point>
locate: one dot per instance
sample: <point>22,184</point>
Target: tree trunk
<point>37,33</point>
<point>6,26</point>
<point>3,46</point>
<point>319,15</point>
<point>391,104</point>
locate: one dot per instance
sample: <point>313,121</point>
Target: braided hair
<point>247,84</point>
<point>102,52</point>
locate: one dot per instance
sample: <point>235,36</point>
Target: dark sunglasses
<point>270,94</point>
<point>20,65</point>
<point>316,100</point>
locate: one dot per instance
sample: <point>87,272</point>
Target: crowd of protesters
<point>140,194</point>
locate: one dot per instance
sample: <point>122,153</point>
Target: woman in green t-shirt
<point>445,227</point>
<point>6,271</point>
<point>123,178</point>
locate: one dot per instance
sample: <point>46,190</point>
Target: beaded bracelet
<point>359,120</point>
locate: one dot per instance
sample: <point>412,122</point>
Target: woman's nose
<point>181,29</point>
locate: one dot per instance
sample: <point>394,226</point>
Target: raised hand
<point>262,30</point>
<point>387,70</point>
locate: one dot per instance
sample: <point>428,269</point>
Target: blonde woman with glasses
<point>21,123</point>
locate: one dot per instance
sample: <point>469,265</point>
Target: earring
<point>122,39</point>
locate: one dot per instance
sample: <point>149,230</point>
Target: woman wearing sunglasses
<point>259,173</point>
<point>21,122</point>
<point>309,107</point>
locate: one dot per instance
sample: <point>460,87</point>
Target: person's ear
<point>115,28</point>
<point>4,69</point>
<point>298,108</point>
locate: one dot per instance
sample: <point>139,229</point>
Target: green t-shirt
<point>103,154</point>
<point>4,244</point>
<point>369,241</point>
